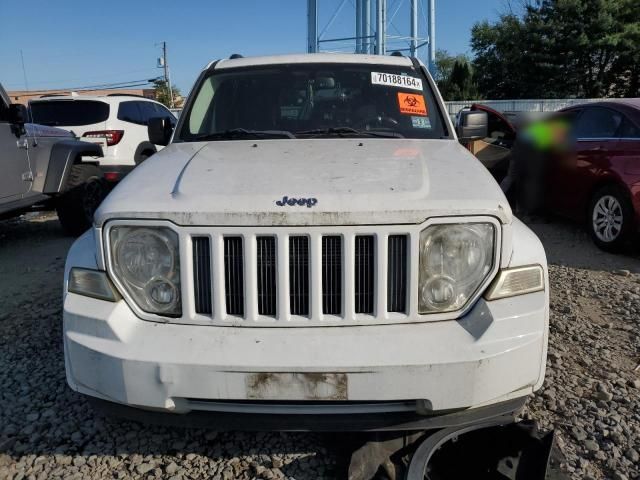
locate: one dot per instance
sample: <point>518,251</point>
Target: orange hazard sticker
<point>412,104</point>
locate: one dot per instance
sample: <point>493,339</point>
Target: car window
<point>629,130</point>
<point>130,112</point>
<point>67,113</point>
<point>148,111</point>
<point>164,112</point>
<point>500,133</point>
<point>307,97</point>
<point>598,122</point>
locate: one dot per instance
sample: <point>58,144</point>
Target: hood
<point>334,182</point>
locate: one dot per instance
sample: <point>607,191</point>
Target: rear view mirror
<point>160,130</point>
<point>18,114</point>
<point>472,125</point>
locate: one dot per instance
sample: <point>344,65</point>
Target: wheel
<point>143,156</point>
<point>610,219</point>
<point>85,191</point>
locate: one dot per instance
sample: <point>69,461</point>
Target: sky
<point>69,43</point>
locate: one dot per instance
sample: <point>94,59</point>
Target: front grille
<point>299,275</point>
<point>234,275</point>
<point>364,273</point>
<point>332,275</point>
<point>202,274</point>
<point>397,274</point>
<point>266,270</point>
<point>306,274</point>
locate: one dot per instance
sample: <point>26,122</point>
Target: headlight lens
<point>454,260</point>
<point>146,261</point>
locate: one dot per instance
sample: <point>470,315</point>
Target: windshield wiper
<point>349,132</point>
<point>242,133</point>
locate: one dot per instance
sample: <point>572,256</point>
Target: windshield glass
<point>69,113</point>
<point>311,100</point>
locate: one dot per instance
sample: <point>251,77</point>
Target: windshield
<point>69,113</point>
<point>313,100</point>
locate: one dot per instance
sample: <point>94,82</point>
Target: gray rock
<point>619,476</point>
<point>579,434</point>
<point>591,445</point>
<point>604,396</point>
<point>144,468</point>
<point>632,455</point>
<point>171,468</point>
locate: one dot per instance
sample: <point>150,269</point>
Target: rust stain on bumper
<point>297,386</point>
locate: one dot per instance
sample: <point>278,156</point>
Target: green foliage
<point>162,93</point>
<point>454,76</point>
<point>560,48</point>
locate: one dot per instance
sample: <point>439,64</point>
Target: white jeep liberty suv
<point>313,250</point>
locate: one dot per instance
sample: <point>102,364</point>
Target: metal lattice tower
<point>377,28</point>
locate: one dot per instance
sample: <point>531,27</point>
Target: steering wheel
<point>378,121</point>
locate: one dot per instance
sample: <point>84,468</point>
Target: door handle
<point>23,143</point>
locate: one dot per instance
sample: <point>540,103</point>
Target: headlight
<point>147,263</point>
<point>454,261</point>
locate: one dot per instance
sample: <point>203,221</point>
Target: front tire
<point>85,191</point>
<point>610,219</point>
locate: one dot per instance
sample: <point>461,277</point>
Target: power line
<point>24,72</point>
<point>150,71</point>
<point>136,83</point>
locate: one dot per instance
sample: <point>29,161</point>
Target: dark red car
<point>598,180</point>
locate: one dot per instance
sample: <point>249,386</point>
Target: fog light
<point>516,281</point>
<point>92,283</point>
<point>162,292</point>
<point>438,292</point>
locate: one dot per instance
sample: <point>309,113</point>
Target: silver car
<point>42,167</point>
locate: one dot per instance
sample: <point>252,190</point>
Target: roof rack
<point>235,55</point>
<point>126,95</point>
<point>49,95</point>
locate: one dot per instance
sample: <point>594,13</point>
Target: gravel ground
<point>591,395</point>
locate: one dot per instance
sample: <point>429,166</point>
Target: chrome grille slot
<point>234,275</point>
<point>202,274</point>
<point>266,270</point>
<point>332,275</point>
<point>364,273</point>
<point>299,275</point>
<point>397,274</point>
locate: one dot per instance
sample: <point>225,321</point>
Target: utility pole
<point>432,36</point>
<point>167,80</point>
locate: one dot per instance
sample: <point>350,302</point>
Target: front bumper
<point>495,353</point>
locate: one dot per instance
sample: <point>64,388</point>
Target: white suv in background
<point>117,122</point>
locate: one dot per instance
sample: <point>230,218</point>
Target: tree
<point>161,90</point>
<point>454,76</point>
<point>560,48</point>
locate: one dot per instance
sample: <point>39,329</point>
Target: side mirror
<point>160,130</point>
<point>18,114</point>
<point>472,125</point>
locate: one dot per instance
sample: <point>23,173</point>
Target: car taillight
<point>112,137</point>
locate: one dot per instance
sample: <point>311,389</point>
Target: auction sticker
<point>393,80</point>
<point>420,122</point>
<point>412,104</point>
